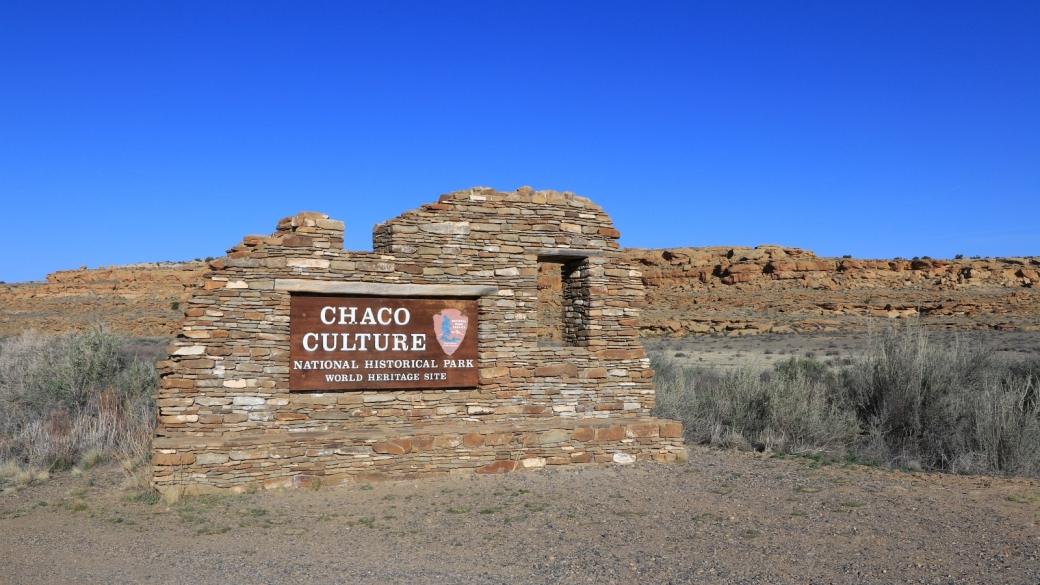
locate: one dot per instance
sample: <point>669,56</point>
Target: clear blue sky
<point>147,131</point>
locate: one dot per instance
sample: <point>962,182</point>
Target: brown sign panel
<point>369,343</point>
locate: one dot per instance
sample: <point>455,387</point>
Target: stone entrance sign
<point>487,332</point>
<point>362,343</point>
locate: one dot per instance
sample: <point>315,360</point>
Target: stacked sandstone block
<point>334,458</point>
<point>228,418</point>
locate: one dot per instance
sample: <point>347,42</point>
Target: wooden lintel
<point>383,290</point>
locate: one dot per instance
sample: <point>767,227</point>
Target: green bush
<point>62,397</point>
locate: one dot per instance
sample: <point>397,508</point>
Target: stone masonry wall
<point>228,420</point>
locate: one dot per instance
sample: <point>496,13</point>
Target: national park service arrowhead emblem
<point>449,327</point>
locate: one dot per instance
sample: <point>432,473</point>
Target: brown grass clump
<point>30,476</point>
<point>14,476</point>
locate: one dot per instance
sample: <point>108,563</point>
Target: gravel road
<point>724,517</point>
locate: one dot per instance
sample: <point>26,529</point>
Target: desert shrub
<point>1027,370</point>
<point>955,408</point>
<point>1004,435</point>
<point>793,409</point>
<point>62,397</point>
<point>807,368</point>
<point>908,401</point>
<point>906,392</point>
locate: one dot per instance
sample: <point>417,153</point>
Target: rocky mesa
<point>714,290</point>
<point>139,300</point>
<point>773,289</point>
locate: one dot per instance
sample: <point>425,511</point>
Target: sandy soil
<point>724,517</point>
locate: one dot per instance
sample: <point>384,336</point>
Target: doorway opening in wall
<point>563,302</point>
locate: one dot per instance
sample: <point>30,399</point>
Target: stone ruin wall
<point>228,420</point>
<point>773,289</point>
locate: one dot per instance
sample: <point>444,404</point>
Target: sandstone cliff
<point>746,291</point>
<point>136,299</point>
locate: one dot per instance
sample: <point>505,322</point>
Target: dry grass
<point>76,398</point>
<point>789,410</point>
<point>30,476</point>
<point>907,401</point>
<point>9,469</point>
<point>955,407</point>
<point>92,459</point>
<point>19,476</point>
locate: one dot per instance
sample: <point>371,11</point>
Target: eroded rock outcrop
<point>136,300</point>
<point>720,289</point>
<point>746,291</point>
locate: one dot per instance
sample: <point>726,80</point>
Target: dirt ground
<point>723,517</point>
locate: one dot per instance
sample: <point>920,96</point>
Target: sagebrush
<point>789,410</point>
<point>908,401</point>
<point>955,407</point>
<point>69,396</point>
